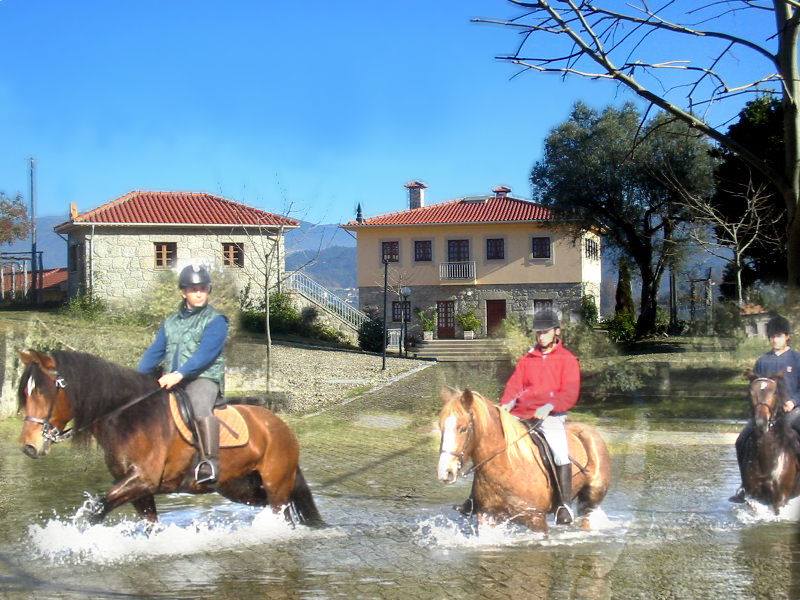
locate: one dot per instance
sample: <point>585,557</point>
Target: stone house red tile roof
<point>142,207</point>
<point>479,209</point>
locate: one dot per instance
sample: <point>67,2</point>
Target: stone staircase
<point>480,350</point>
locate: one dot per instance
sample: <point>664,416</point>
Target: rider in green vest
<point>188,349</point>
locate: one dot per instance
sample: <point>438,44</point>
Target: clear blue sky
<point>318,104</point>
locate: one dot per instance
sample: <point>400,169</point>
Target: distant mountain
<point>333,267</point>
<point>313,237</point>
<point>53,247</point>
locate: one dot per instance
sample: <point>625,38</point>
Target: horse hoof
<point>93,508</point>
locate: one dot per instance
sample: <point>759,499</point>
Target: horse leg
<point>146,508</point>
<point>247,490</point>
<point>132,487</point>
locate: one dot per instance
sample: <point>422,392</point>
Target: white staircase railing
<point>303,284</point>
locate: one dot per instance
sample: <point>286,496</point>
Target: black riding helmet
<point>778,325</point>
<point>194,275</point>
<point>545,319</point>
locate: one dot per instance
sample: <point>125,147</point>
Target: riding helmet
<point>194,275</point>
<point>778,325</point>
<point>545,319</point>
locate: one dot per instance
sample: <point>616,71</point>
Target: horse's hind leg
<point>589,498</point>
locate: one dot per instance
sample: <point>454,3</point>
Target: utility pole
<point>34,255</point>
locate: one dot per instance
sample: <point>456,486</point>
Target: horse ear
<point>27,356</point>
<point>467,398</point>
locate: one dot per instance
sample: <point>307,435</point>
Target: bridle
<point>771,420</point>
<point>53,434</point>
<point>460,455</point>
<point>50,432</point>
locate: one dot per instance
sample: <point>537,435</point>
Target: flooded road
<point>666,529</point>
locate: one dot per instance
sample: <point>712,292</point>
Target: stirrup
<point>210,478</point>
<point>738,497</point>
<point>561,519</point>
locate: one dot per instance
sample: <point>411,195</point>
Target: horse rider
<point>544,386</point>
<point>188,348</point>
<point>780,360</point>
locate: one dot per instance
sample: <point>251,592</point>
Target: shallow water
<point>665,529</point>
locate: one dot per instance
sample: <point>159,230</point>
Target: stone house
<point>496,255</point>
<point>117,250</point>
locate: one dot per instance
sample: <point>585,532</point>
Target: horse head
<point>457,426</point>
<point>42,397</point>
<point>765,400</point>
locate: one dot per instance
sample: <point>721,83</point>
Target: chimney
<point>73,211</point>
<point>501,191</point>
<point>359,214</point>
<point>416,194</point>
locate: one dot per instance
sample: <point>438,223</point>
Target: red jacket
<point>540,379</point>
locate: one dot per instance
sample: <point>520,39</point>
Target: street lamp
<point>385,286</point>
<point>405,293</point>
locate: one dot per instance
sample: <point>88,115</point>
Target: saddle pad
<point>227,415</point>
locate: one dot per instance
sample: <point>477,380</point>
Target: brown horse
<point>769,458</point>
<point>511,482</point>
<point>143,449</point>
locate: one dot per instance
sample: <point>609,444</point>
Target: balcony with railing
<point>457,271</point>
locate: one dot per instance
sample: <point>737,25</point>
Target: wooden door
<point>495,313</point>
<point>446,319</point>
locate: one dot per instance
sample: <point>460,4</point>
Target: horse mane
<point>95,387</point>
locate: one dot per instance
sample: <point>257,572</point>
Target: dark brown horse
<point>511,482</point>
<point>143,449</point>
<point>769,459</point>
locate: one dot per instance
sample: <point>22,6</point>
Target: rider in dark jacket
<point>188,348</point>
<point>780,360</point>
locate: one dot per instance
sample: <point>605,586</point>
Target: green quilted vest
<point>184,332</point>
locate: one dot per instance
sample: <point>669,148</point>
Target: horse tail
<point>597,470</point>
<point>303,502</point>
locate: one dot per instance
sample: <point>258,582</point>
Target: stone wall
<point>325,317</point>
<point>118,263</point>
<point>519,299</point>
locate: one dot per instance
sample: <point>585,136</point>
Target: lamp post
<point>385,285</point>
<point>405,293</point>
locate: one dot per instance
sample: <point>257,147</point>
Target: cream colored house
<point>495,255</point>
<point>117,250</point>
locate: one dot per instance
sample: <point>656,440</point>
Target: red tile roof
<point>51,278</point>
<point>142,207</point>
<point>480,209</point>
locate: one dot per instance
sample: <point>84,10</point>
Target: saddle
<point>544,450</point>
<point>233,430</point>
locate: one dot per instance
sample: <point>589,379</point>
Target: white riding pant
<point>556,436</point>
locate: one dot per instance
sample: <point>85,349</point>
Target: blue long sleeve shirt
<point>788,363</point>
<point>210,347</point>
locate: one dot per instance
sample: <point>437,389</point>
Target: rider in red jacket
<point>544,386</point>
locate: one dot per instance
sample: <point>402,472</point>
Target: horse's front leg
<point>133,487</point>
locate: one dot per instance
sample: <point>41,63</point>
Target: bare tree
<point>735,236</point>
<point>652,52</point>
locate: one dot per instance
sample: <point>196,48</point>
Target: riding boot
<point>563,512</point>
<point>208,439</point>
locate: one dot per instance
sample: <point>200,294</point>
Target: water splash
<point>72,540</point>
<point>752,512</point>
<point>442,532</point>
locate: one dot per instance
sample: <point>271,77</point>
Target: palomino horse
<point>769,459</point>
<point>511,481</point>
<point>143,449</point>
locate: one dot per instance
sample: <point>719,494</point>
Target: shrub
<point>370,335</point>
<point>588,311</point>
<point>728,320</point>
<point>621,327</point>
<point>85,307</point>
<point>587,342</point>
<point>662,321</point>
<point>309,315</point>
<point>468,321</point>
<point>427,318</point>
<point>516,335</point>
<point>283,316</point>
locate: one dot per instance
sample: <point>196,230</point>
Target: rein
<point>54,435</point>
<point>477,466</point>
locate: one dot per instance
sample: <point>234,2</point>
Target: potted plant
<point>427,319</point>
<point>469,323</point>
